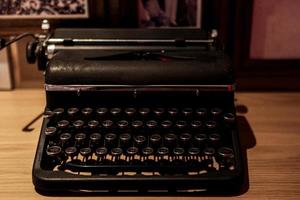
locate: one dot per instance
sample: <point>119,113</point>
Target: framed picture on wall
<point>169,13</point>
<point>267,54</point>
<point>40,9</point>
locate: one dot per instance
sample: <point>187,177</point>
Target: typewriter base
<point>215,190</point>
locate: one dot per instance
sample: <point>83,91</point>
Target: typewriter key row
<point>147,159</point>
<point>111,140</point>
<point>150,125</point>
<point>223,152</point>
<point>139,112</point>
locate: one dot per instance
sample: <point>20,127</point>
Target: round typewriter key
<point>225,158</point>
<point>201,112</point>
<point>216,112</point>
<point>151,124</point>
<point>86,111</point>
<point>54,151</point>
<point>110,139</point>
<point>80,137</point>
<point>115,111</point>
<point>225,152</point>
<point>107,123</point>
<point>173,111</point>
<point>122,124</point>
<point>144,111</point>
<point>116,151</point>
<point>93,124</point>
<point>71,151</point>
<point>166,124</point>
<point>72,111</point>
<point>139,139</point>
<point>155,139</point>
<point>147,151</point>
<point>49,131</point>
<point>162,151</point>
<point>130,111</point>
<point>48,114</point>
<point>95,137</point>
<point>78,124</point>
<point>214,139</point>
<point>178,151</point>
<point>200,139</point>
<point>229,118</point>
<point>65,137</point>
<point>58,111</point>
<point>185,138</point>
<point>63,124</point>
<point>170,139</point>
<point>125,139</point>
<point>131,151</point>
<point>211,124</point>
<point>163,156</point>
<point>194,151</point>
<point>137,124</point>
<point>101,152</point>
<point>85,151</point>
<point>209,151</point>
<point>196,124</point>
<point>158,111</point>
<point>181,124</point>
<point>187,112</point>
<point>102,111</point>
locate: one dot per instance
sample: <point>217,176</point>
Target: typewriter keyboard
<point>139,140</point>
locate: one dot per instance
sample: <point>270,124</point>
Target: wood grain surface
<point>269,128</point>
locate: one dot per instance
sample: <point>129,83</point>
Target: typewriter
<point>137,111</point>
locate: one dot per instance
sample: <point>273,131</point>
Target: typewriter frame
<point>53,182</point>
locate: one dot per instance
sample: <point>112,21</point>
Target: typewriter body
<point>133,110</point>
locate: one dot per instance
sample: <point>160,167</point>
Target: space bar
<point>77,167</point>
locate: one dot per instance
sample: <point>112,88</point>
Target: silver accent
<point>54,48</point>
<point>51,49</point>
<point>45,26</point>
<point>214,33</point>
<point>139,88</point>
<point>56,44</point>
<point>61,41</point>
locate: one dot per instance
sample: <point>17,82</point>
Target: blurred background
<point>261,36</point>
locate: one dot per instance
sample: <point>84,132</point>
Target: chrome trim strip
<point>139,88</point>
<point>124,41</point>
<point>51,48</point>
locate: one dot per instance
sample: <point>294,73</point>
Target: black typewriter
<point>138,111</point>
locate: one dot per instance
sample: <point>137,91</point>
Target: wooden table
<point>272,139</point>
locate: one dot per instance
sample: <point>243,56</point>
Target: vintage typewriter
<point>132,110</point>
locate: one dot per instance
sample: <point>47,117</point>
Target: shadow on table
<point>248,141</point>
